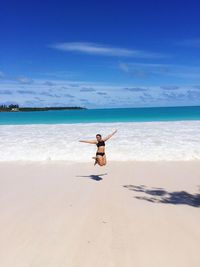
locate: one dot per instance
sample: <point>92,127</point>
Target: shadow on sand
<point>159,195</point>
<point>93,176</point>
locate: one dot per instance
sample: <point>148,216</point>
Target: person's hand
<point>114,132</point>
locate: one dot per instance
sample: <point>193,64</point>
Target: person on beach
<point>100,158</point>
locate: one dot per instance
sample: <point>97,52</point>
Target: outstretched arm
<point>109,136</point>
<point>88,141</point>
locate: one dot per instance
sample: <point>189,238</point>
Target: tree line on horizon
<point>3,106</point>
<point>16,107</point>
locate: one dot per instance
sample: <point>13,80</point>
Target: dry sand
<point>129,214</point>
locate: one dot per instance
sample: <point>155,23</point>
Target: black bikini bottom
<point>100,154</point>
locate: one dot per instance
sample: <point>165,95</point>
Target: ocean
<point>101,115</point>
<point>144,134</point>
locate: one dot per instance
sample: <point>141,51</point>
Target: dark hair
<point>98,135</point>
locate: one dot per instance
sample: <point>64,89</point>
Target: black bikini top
<point>101,143</point>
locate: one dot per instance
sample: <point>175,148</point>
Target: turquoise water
<point>101,115</point>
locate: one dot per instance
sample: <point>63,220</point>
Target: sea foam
<point>134,141</point>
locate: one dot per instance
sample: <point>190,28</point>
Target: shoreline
<point>147,141</point>
<point>104,122</point>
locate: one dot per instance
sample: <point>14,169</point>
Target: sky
<point>100,54</point>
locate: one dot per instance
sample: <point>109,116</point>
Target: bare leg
<point>100,161</point>
<point>95,160</point>
<point>104,160</point>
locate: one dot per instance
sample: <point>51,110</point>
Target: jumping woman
<point>100,142</point>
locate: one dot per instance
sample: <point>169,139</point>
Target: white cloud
<point>98,49</point>
<point>19,79</point>
<point>2,74</point>
<point>190,42</point>
<point>5,92</point>
<point>143,70</point>
<point>114,95</point>
<point>87,89</point>
<point>153,70</point>
<point>49,83</point>
<point>172,87</point>
<point>24,80</point>
<point>135,89</point>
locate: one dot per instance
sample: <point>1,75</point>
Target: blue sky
<point>100,54</point>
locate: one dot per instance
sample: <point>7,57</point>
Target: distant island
<point>16,108</point>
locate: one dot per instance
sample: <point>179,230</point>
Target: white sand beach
<point>142,214</point>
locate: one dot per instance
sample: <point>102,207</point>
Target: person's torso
<point>101,146</point>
